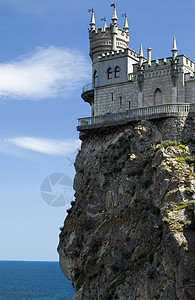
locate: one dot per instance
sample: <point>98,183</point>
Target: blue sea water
<point>33,280</point>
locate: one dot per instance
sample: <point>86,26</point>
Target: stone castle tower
<point>124,80</point>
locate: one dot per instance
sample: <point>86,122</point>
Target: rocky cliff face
<point>130,232</point>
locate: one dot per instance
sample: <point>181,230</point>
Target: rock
<point>130,233</point>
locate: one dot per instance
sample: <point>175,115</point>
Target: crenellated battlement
<point>119,53</point>
<point>184,64</point>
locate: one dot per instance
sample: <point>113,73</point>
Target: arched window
<point>95,78</point>
<point>157,97</point>
<point>117,72</point>
<point>109,73</point>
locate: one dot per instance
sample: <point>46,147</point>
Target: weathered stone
<point>128,235</point>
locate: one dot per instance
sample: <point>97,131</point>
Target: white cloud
<point>46,146</point>
<point>45,73</point>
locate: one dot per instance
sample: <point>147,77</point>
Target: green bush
<point>189,225</point>
<point>191,205</point>
<point>166,220</point>
<point>184,243</point>
<point>181,159</point>
<point>189,191</point>
<point>167,143</point>
<point>190,160</point>
<point>181,146</point>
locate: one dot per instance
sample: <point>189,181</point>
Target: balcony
<point>145,113</point>
<point>88,93</point>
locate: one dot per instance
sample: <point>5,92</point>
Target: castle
<point>125,83</point>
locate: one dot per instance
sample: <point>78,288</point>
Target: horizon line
<point>14,260</point>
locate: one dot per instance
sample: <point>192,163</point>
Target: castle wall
<point>123,59</point>
<point>157,89</point>
<point>190,90</point>
<point>115,98</point>
<point>153,81</point>
<point>103,66</point>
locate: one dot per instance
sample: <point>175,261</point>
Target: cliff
<point>130,232</point>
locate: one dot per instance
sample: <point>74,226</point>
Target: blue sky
<point>43,65</point>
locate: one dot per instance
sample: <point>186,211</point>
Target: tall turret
<point>107,39</point>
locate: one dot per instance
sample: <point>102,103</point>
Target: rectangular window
<point>112,96</point>
<point>120,100</point>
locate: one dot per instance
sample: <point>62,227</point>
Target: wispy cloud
<point>45,73</point>
<point>45,146</point>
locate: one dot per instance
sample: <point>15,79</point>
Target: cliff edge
<point>130,232</point>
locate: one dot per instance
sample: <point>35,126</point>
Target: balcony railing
<point>164,110</point>
<point>88,87</point>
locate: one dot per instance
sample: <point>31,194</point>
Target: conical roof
<point>92,23</point>
<point>114,16</point>
<point>174,45</point>
<point>126,26</point>
<point>141,51</point>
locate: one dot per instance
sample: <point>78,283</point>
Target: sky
<point>44,63</point>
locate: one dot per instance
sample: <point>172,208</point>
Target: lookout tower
<point>112,60</point>
<point>107,39</point>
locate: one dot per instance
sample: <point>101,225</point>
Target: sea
<point>21,280</point>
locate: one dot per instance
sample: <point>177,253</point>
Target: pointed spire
<point>141,57</point>
<point>92,23</point>
<point>114,16</point>
<point>141,51</point>
<point>174,45</point>
<point>174,49</point>
<point>126,26</point>
<point>105,25</point>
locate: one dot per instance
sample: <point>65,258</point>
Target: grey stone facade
<point>123,79</point>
